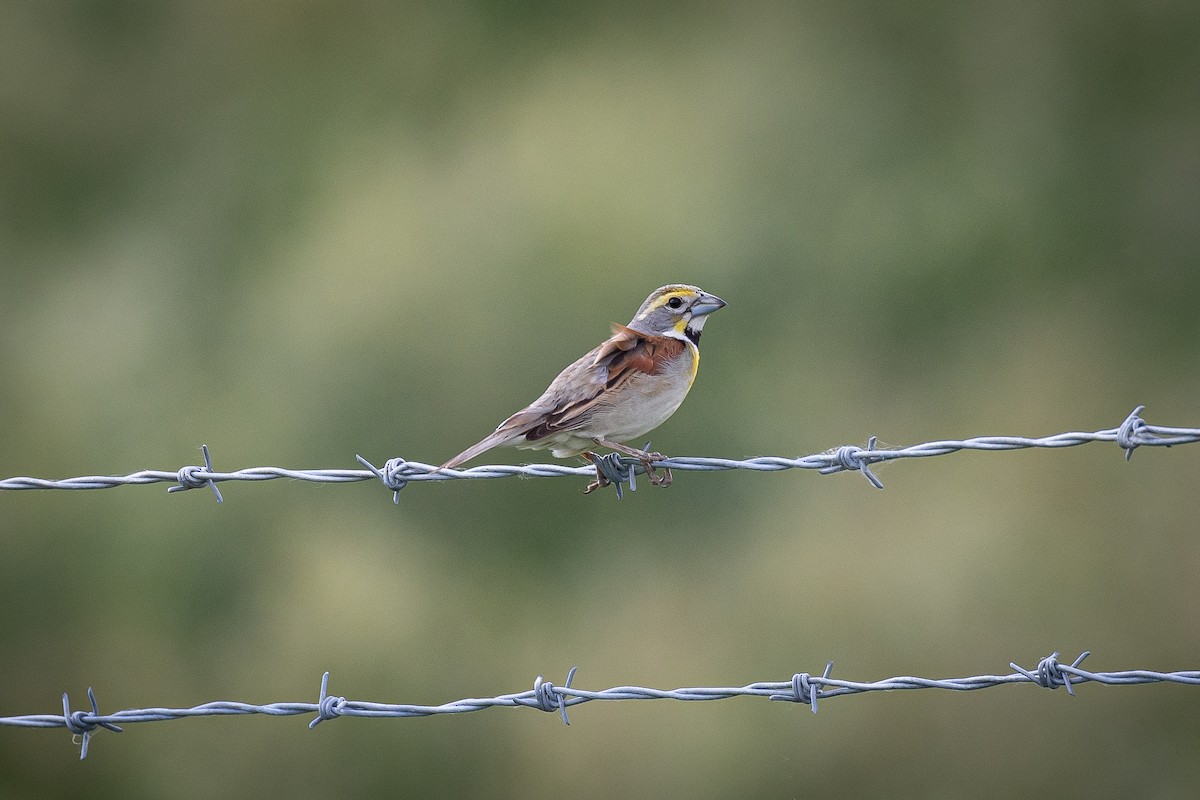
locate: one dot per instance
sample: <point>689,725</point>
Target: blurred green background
<point>300,231</point>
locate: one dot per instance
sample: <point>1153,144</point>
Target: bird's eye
<point>674,302</point>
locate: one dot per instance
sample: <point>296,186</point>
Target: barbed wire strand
<point>397,473</point>
<point>801,688</point>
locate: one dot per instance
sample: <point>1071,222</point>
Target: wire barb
<point>328,707</point>
<point>1050,674</point>
<point>550,698</point>
<point>614,470</point>
<point>855,459</point>
<point>390,476</point>
<point>1128,432</point>
<point>82,725</point>
<point>804,689</point>
<point>192,477</point>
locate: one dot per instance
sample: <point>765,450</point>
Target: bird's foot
<point>647,460</point>
<point>601,480</point>
<point>665,478</point>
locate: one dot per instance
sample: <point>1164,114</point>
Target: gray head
<point>677,310</point>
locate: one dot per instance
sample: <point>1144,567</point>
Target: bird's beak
<point>707,304</point>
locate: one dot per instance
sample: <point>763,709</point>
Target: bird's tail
<point>479,448</point>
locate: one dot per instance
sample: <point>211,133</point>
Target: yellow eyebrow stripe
<point>683,294</point>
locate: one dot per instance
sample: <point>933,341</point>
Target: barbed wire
<point>545,696</point>
<point>397,473</point>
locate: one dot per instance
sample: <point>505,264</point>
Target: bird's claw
<point>599,483</point>
<point>656,479</point>
<point>664,480</point>
<point>601,479</point>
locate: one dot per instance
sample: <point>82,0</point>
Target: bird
<point>619,390</point>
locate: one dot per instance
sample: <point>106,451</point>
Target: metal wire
<point>804,688</point>
<point>546,696</point>
<point>397,473</point>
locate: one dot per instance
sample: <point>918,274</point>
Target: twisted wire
<point>397,473</point>
<point>801,688</point>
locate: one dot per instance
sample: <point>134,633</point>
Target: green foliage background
<point>300,231</point>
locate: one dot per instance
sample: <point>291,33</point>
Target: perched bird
<point>625,387</point>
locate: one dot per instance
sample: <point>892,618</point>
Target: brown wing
<point>625,354</point>
<point>571,397</point>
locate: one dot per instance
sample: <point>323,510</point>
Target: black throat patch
<point>692,334</point>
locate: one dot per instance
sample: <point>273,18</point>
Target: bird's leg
<point>600,481</point>
<point>647,460</point>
